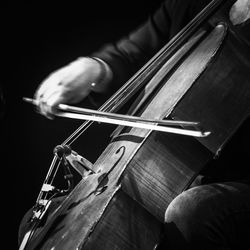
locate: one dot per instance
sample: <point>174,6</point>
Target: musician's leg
<point>214,216</point>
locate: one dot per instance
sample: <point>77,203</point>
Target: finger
<point>49,88</point>
<point>44,110</point>
<point>51,81</point>
<point>49,104</point>
<point>46,85</point>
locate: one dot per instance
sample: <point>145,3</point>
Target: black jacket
<point>131,52</point>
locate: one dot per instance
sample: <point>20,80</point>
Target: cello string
<point>96,113</point>
<point>132,85</point>
<point>114,103</point>
<point>129,87</point>
<point>85,111</point>
<point>169,48</point>
<point>47,178</point>
<point>29,234</point>
<point>135,124</point>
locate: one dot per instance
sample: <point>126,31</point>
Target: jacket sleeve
<point>131,52</point>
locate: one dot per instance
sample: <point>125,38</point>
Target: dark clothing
<point>130,53</point>
<point>216,214</point>
<point>127,55</point>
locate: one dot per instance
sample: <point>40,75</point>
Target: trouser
<point>211,216</point>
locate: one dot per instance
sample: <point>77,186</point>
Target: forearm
<point>130,53</point>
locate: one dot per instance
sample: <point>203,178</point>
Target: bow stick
<point>124,120</point>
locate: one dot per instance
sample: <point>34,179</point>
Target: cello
<point>140,172</point>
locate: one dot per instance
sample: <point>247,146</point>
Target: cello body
<point>140,172</point>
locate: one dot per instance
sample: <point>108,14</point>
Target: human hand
<point>72,83</point>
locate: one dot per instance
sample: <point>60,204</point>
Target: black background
<point>38,38</point>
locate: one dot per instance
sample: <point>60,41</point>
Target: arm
<point>131,52</point>
<point>73,82</point>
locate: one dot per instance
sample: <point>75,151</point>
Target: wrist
<point>104,76</point>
